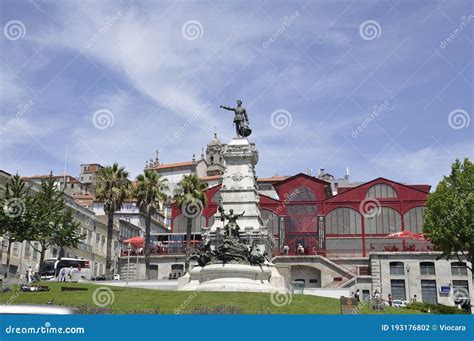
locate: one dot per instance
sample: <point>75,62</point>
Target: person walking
<point>62,275</point>
<point>357,295</point>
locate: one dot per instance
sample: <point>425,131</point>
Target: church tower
<point>214,157</point>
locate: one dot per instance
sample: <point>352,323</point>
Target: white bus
<point>50,269</point>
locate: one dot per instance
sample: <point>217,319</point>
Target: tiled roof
<point>173,165</point>
<point>272,179</point>
<point>211,177</point>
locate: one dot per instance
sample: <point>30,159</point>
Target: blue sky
<point>373,85</point>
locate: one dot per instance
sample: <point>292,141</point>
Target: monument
<point>235,256</point>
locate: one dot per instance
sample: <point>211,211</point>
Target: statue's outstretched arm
<point>227,108</point>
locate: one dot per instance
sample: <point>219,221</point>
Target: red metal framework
<point>306,203</point>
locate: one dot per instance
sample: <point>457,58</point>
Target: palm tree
<point>112,187</point>
<point>190,196</point>
<point>149,193</point>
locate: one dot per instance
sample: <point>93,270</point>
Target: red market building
<point>351,223</point>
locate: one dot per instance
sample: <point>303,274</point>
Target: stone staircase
<point>132,272</point>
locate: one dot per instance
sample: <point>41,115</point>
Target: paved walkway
<point>150,284</point>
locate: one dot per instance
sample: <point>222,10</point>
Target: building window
<point>381,191</point>
<point>414,219</point>
<point>428,291</point>
<point>301,210</point>
<point>398,289</point>
<point>427,268</point>
<point>458,269</point>
<point>387,221</point>
<point>343,221</point>
<point>180,223</point>
<point>27,250</point>
<point>270,220</point>
<point>461,293</point>
<point>35,252</point>
<point>397,268</point>
<point>301,218</point>
<point>14,247</point>
<point>301,193</point>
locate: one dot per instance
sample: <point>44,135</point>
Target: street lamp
<point>129,248</point>
<point>408,282</point>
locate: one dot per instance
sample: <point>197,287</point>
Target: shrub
<point>434,308</point>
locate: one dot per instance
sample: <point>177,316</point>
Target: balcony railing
<point>167,249</point>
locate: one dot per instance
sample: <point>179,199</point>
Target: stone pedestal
<point>239,192</point>
<point>233,277</point>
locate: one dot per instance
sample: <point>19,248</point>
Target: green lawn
<point>131,300</point>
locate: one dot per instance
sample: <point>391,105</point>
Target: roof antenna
<point>65,169</point>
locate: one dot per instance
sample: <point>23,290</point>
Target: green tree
<point>190,196</point>
<point>15,215</point>
<point>52,221</point>
<point>112,187</point>
<point>67,234</point>
<point>150,194</point>
<point>450,212</point>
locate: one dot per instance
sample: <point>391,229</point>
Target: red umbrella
<point>135,241</point>
<point>407,235</point>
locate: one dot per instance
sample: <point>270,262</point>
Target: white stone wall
<point>413,277</point>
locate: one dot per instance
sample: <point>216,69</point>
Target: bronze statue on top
<point>241,119</point>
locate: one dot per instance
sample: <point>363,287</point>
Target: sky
<point>382,87</point>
